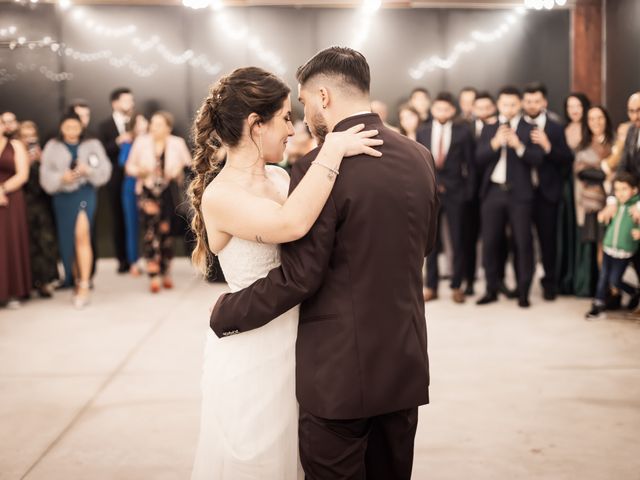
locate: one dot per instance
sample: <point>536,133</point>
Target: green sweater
<point>618,241</point>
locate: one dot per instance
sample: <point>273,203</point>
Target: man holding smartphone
<point>548,180</point>
<point>507,154</point>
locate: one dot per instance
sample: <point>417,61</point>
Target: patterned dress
<point>43,244</point>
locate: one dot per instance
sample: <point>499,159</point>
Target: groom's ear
<point>324,97</point>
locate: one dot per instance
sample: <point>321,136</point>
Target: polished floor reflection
<point>112,392</point>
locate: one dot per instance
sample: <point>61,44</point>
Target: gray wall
<point>623,62</point>
<point>537,49</point>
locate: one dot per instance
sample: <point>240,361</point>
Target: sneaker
<point>614,302</point>
<point>596,312</point>
<point>634,301</point>
<point>13,304</point>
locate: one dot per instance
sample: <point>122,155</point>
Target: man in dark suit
<point>548,179</point>
<point>466,98</point>
<point>113,132</point>
<point>484,112</point>
<point>361,354</point>
<point>507,154</point>
<point>630,161</point>
<point>453,147</point>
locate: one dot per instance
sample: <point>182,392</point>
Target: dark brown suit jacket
<point>362,340</point>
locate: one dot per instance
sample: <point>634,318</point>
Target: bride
<point>249,423</point>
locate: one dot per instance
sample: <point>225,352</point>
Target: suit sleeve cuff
<point>216,321</point>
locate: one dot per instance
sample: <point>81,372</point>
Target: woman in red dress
<point>15,267</point>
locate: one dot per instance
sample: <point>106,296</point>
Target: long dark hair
<point>587,135</point>
<point>220,121</point>
<point>584,101</point>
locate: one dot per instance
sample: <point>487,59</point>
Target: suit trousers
<point>499,210</point>
<point>471,229</point>
<point>117,214</point>
<point>455,213</point>
<point>376,448</point>
<point>545,218</point>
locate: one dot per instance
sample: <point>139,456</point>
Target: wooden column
<point>587,67</point>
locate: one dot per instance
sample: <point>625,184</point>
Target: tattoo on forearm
<point>259,239</point>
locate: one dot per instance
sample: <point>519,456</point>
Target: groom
<point>361,356</point>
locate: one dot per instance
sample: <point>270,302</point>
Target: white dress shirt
<point>440,131</point>
<point>479,126</point>
<point>499,174</point>
<point>120,121</point>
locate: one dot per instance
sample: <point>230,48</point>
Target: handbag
<point>592,176</point>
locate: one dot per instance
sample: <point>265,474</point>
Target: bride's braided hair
<point>220,122</point>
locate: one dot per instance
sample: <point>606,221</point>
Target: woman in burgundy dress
<point>15,270</point>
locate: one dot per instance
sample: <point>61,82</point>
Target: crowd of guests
<point>512,174</point>
<point>49,194</point>
<point>516,181</point>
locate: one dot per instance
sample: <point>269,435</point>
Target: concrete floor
<point>112,392</point>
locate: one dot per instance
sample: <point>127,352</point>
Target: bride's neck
<point>246,160</point>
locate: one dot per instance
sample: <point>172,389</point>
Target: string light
<point>48,73</point>
<point>365,15</point>
<point>540,4</point>
<point>196,4</point>
<point>253,42</point>
<point>6,77</point>
<point>434,62</point>
<point>154,42</point>
<point>95,27</point>
<point>200,4</point>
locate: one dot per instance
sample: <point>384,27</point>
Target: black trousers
<point>376,448</point>
<point>545,218</point>
<point>455,213</point>
<point>498,212</point>
<point>117,214</point>
<point>471,235</point>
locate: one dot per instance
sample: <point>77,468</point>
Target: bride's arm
<point>232,210</point>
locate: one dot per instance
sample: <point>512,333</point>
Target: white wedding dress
<point>249,424</point>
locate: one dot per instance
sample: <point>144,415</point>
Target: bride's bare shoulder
<point>219,193</point>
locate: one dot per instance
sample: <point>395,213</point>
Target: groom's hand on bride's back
<point>220,332</point>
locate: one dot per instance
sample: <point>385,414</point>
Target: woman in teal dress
<point>71,170</point>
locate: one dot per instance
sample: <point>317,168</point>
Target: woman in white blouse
<point>158,160</point>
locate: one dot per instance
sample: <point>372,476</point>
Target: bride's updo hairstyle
<point>220,122</point>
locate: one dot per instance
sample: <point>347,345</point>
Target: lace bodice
<point>243,262</point>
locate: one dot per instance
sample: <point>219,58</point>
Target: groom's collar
<point>368,118</point>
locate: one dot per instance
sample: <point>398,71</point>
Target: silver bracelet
<point>333,170</point>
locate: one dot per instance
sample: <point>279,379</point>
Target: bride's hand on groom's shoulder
<point>356,141</point>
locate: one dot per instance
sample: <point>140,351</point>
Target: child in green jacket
<point>620,244</point>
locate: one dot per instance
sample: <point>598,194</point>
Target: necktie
<point>441,154</point>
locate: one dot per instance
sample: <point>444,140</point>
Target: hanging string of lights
<point>240,32</point>
<point>435,62</point>
<point>540,4</point>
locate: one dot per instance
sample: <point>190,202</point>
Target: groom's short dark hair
<point>344,62</point>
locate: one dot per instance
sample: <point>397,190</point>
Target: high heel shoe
<point>81,300</point>
<point>154,286</point>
